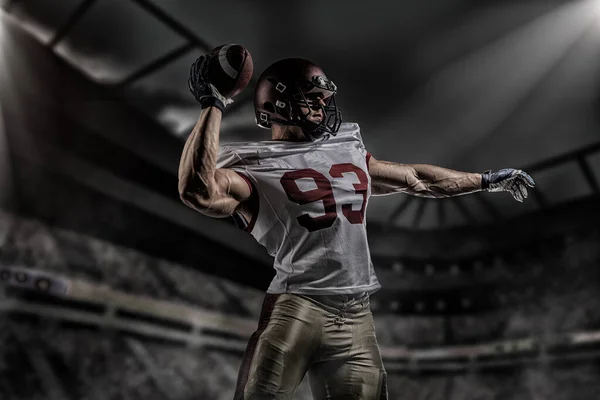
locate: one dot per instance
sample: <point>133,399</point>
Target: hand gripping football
<point>230,69</point>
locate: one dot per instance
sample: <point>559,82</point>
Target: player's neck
<point>288,133</point>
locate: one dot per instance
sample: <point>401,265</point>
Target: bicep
<point>390,177</point>
<point>235,185</point>
<point>229,191</point>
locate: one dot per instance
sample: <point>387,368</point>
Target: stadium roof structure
<point>465,85</point>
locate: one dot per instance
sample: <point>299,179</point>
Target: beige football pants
<point>330,337</point>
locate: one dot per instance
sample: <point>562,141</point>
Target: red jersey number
<point>324,193</point>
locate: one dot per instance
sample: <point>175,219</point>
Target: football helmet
<point>290,90</point>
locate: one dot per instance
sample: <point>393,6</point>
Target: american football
<point>230,69</point>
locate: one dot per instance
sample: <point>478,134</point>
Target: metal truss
<point>489,207</point>
<point>464,210</point>
<point>192,40</point>
<point>419,214</point>
<point>398,211</point>
<point>156,65</point>
<point>174,25</point>
<point>76,15</point>
<point>441,214</point>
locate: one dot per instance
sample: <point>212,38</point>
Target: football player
<point>303,195</point>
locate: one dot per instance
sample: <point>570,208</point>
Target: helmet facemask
<point>285,107</point>
<point>318,94</point>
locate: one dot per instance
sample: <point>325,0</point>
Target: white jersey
<point>312,198</point>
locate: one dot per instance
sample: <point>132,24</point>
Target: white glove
<point>510,180</point>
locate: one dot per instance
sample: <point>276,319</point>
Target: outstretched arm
<point>420,180</point>
<point>436,182</point>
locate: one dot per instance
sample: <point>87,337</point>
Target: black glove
<point>510,180</point>
<point>204,92</point>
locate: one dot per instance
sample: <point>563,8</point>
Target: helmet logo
<point>280,104</point>
<point>264,117</point>
<point>280,87</point>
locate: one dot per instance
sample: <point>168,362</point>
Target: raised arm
<point>202,186</point>
<point>436,182</point>
<point>216,192</point>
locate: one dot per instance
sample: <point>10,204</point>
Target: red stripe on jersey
<point>252,202</point>
<point>368,158</point>
<point>250,186</point>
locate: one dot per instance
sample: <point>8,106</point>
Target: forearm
<point>443,182</point>
<point>422,180</point>
<point>199,157</point>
